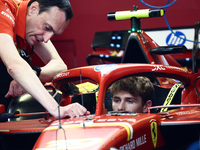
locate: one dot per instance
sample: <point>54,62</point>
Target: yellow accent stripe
<point>114,53</point>
<point>18,9</point>
<point>14,2</point>
<point>17,6</point>
<point>170,95</point>
<point>127,126</point>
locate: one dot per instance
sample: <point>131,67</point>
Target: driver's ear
<point>146,105</point>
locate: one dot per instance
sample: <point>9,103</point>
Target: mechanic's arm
<point>53,62</point>
<point>22,73</point>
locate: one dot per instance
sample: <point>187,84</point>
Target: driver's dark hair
<point>136,86</point>
<point>62,4</point>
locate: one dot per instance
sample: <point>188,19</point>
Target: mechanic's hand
<point>15,90</point>
<point>73,110</point>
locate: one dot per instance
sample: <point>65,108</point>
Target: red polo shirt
<point>13,19</point>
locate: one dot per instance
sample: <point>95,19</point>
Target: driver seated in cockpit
<point>132,94</point>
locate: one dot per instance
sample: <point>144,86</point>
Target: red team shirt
<point>12,22</point>
<point>13,19</point>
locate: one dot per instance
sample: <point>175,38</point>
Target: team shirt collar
<point>21,20</point>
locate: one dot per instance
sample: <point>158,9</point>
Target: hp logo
<point>174,40</point>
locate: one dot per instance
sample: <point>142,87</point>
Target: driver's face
<point>41,27</point>
<point>124,101</point>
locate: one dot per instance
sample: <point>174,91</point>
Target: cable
<point>59,125</point>
<point>167,5</point>
<point>165,16</point>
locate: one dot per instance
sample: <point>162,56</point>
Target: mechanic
<point>132,94</point>
<point>31,24</point>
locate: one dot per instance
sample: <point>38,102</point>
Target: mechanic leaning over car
<point>132,94</point>
<point>33,23</point>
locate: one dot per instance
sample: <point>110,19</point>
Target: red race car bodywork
<point>123,130</point>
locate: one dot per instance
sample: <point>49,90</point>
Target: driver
<point>31,24</point>
<point>132,94</point>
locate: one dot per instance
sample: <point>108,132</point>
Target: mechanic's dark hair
<point>62,4</point>
<point>136,86</point>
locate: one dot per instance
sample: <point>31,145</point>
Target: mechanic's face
<point>124,101</point>
<point>41,27</point>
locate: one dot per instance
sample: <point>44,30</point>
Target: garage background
<point>90,16</point>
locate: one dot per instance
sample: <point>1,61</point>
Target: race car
<point>172,122</point>
<point>134,45</point>
<point>176,128</point>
